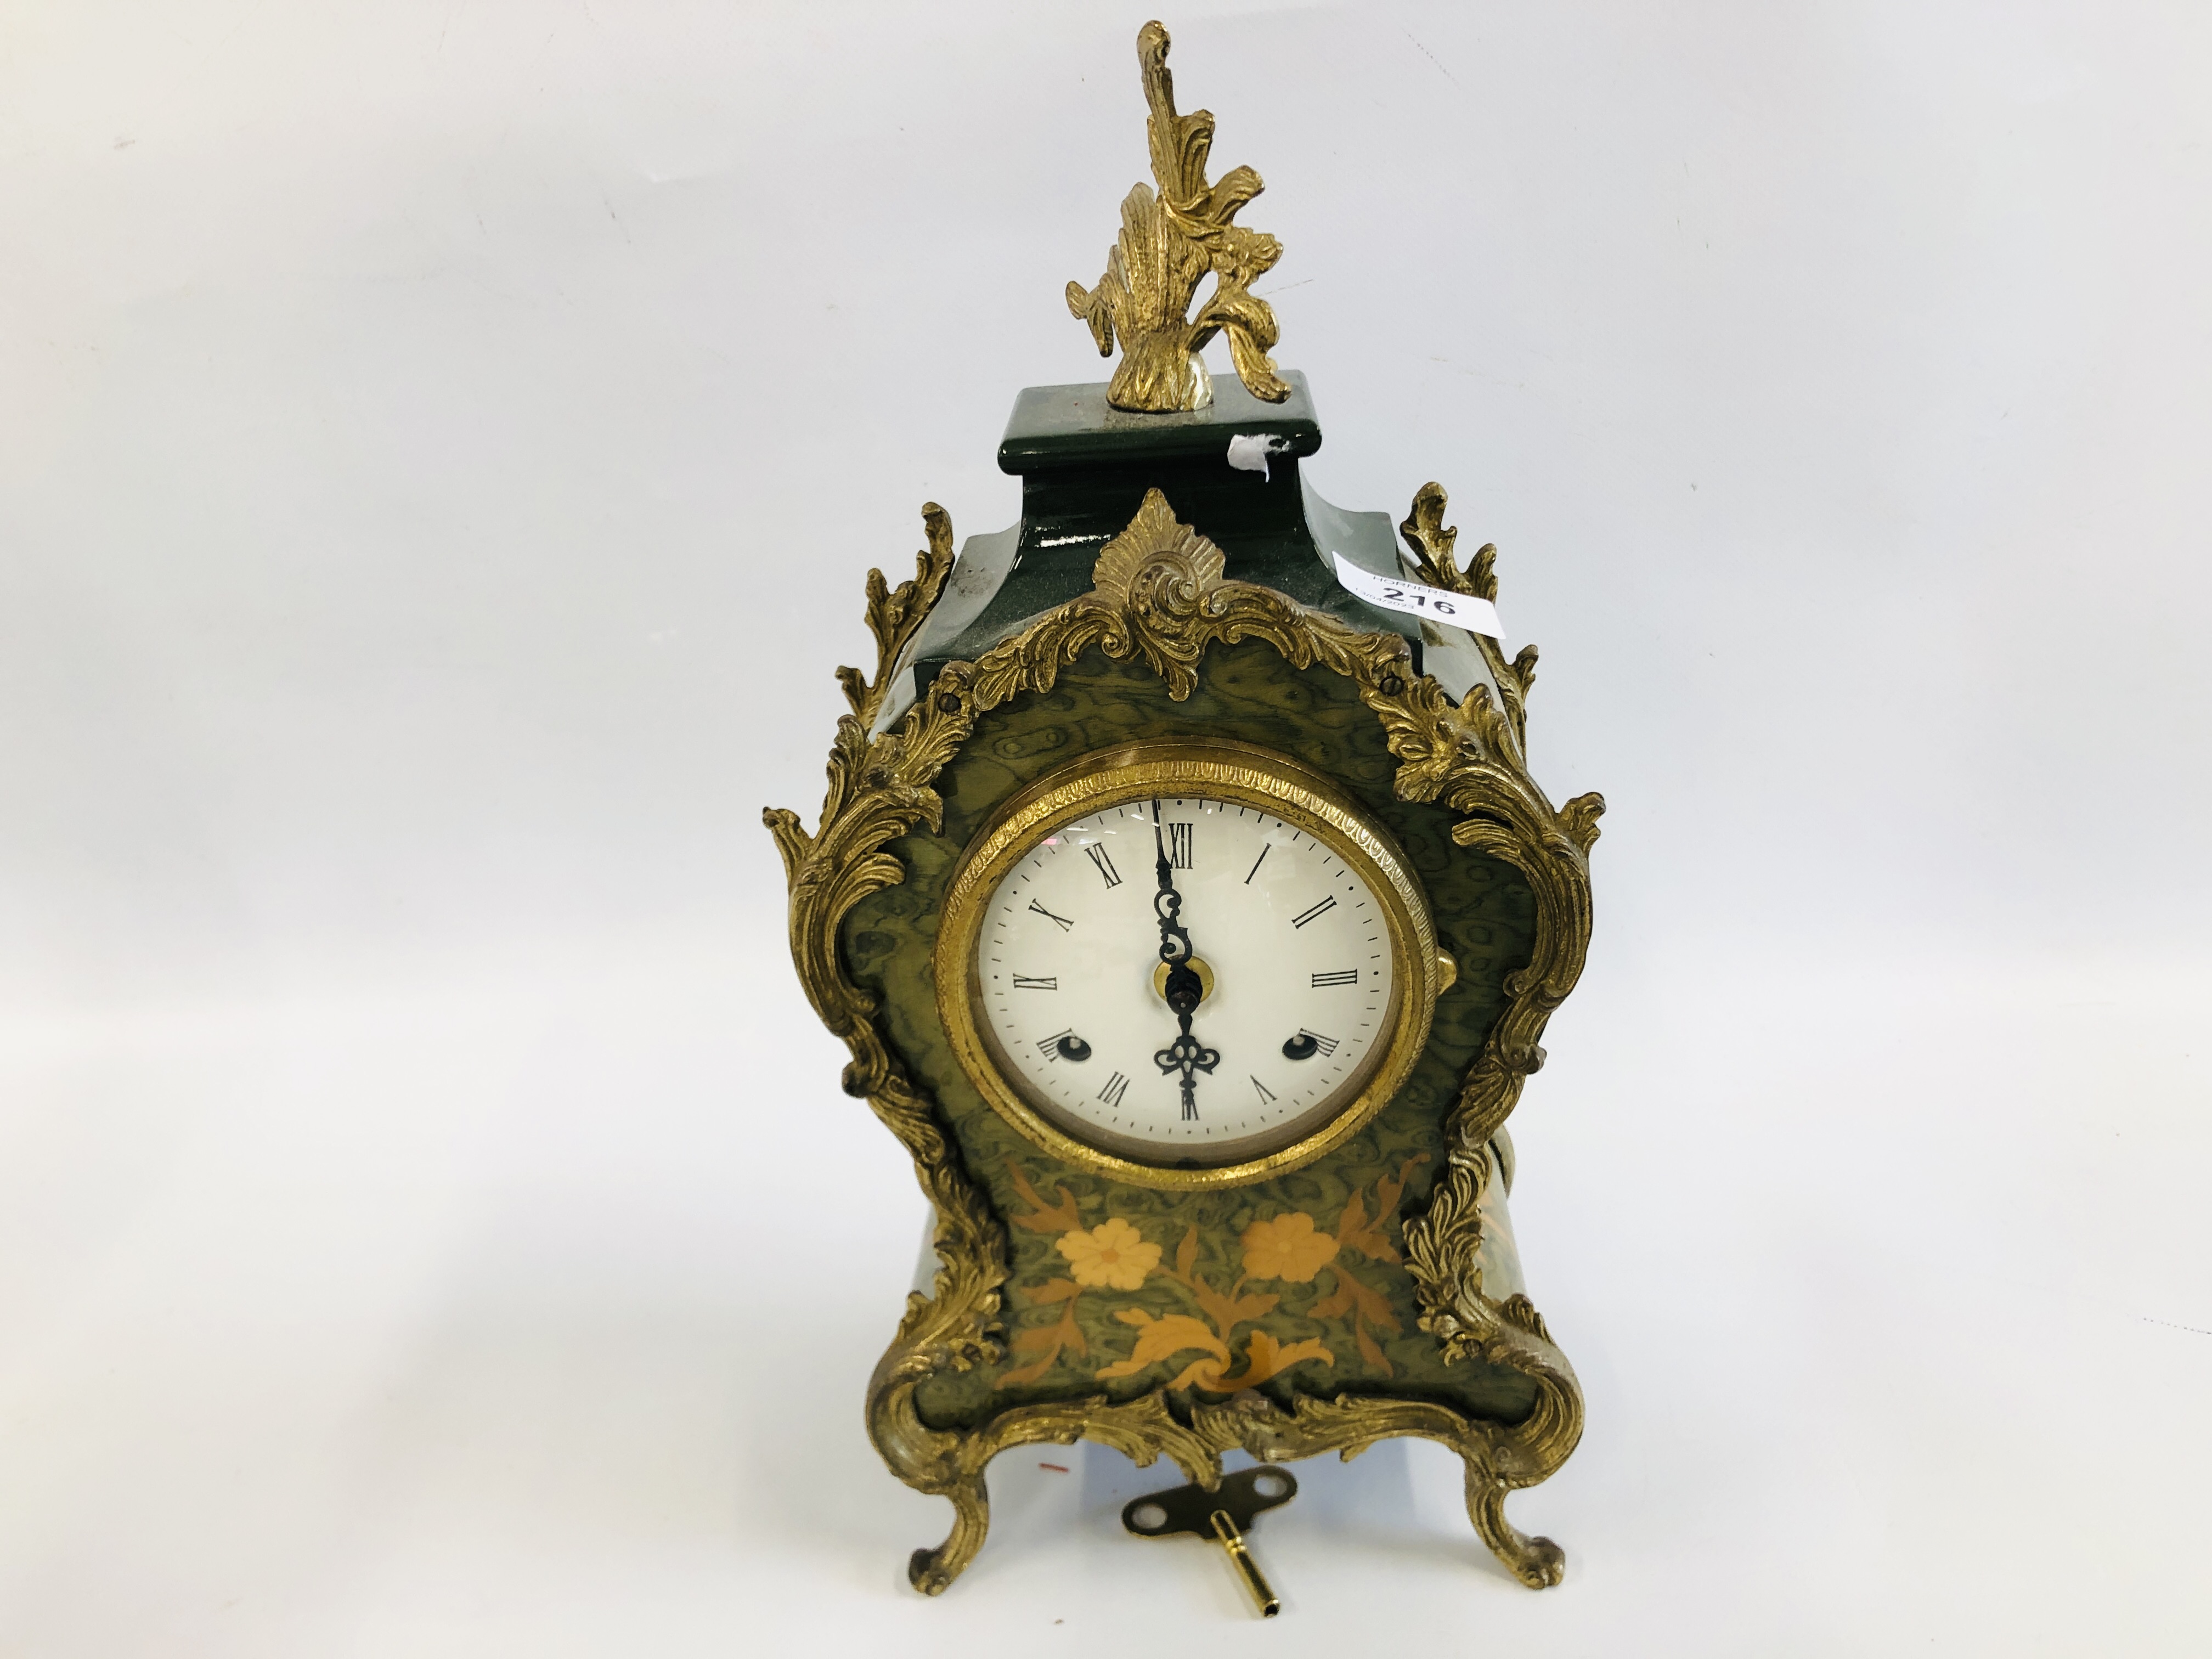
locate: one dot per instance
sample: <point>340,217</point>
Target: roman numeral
<point>1116,1087</point>
<point>1343,976</point>
<point>1189,1109</point>
<point>1265,1099</point>
<point>1306,915</point>
<point>1049,1047</point>
<point>1065,924</point>
<point>1179,847</point>
<point>1105,864</point>
<point>1326,1045</point>
<point>1257,862</point>
<point>1023,982</point>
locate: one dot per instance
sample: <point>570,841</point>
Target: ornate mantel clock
<point>1192,921</point>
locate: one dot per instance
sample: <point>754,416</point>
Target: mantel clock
<point>1191,919</point>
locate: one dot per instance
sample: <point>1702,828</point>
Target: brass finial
<point>1168,244</point>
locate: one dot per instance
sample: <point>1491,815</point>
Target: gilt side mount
<point>1171,239</point>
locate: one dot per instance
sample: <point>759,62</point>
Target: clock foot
<point>931,1571</point>
<point>1536,1562</point>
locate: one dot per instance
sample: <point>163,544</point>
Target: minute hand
<point>1183,988</point>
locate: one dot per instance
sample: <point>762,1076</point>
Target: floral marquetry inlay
<point>1295,1284</point>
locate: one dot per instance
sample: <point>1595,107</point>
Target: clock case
<point>1153,591</point>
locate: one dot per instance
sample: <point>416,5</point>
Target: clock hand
<point>1167,904</point>
<point>1183,988</point>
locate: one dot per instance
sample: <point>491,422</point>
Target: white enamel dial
<point>1292,946</point>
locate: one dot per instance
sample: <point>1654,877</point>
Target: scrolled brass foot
<point>931,1571</point>
<point>1536,1562</point>
<point>926,1571</point>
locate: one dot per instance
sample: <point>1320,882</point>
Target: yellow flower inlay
<point>1112,1253</point>
<point>1286,1247</point>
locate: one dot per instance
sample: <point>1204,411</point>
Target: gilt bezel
<point>1242,773</point>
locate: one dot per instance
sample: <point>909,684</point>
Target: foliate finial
<point>1169,242</point>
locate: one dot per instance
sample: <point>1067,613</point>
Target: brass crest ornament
<point>1171,239</point>
<point>1193,923</point>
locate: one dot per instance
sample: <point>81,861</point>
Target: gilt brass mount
<point>1171,241</point>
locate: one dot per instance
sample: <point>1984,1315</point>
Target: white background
<point>443,445</point>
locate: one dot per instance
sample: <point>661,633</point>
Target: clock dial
<point>1182,978</point>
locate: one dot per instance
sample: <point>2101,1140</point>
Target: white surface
<point>1417,599</point>
<point>1272,913</point>
<point>426,425</point>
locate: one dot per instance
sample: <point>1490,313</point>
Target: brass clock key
<point>1221,1515</point>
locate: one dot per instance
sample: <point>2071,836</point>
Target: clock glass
<point>1187,972</point>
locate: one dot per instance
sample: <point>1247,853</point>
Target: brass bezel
<point>1218,769</point>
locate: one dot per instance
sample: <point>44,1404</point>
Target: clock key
<point>1221,1515</point>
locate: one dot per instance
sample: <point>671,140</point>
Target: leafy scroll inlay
<point>1160,595</point>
